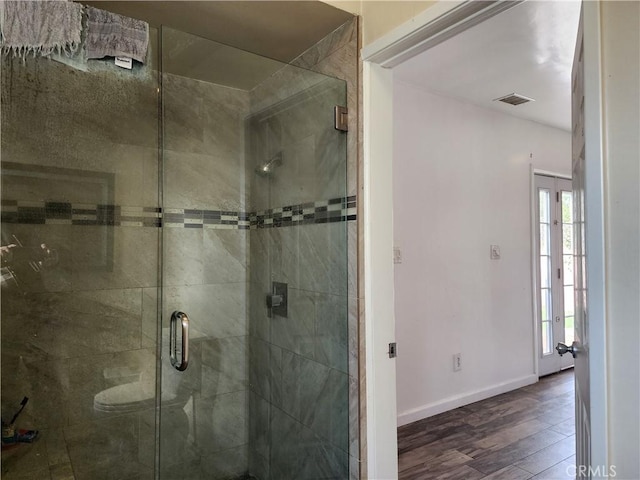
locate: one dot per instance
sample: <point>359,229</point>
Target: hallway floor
<point>528,433</point>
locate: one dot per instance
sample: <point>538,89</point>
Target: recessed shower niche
<point>189,184</point>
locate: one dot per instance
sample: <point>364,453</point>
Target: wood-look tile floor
<point>528,433</point>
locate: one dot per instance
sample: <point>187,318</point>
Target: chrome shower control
<point>277,300</point>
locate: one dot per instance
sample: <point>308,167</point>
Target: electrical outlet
<point>495,252</point>
<point>457,362</point>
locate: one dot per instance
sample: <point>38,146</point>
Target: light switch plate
<point>495,252</point>
<point>397,255</point>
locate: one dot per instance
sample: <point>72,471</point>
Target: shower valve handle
<point>274,301</point>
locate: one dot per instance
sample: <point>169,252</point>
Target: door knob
<point>562,349</point>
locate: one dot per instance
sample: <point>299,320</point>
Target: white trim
<point>534,268</point>
<point>430,28</point>
<point>382,459</point>
<point>594,233</point>
<point>537,171</point>
<point>456,401</point>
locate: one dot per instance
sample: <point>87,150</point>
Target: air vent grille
<point>514,99</point>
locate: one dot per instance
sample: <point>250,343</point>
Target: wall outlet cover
<point>495,252</point>
<point>457,362</point>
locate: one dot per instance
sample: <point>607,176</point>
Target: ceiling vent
<point>514,99</point>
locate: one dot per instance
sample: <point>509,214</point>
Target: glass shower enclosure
<point>174,268</point>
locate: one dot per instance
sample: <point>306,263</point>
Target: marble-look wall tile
<point>176,434</point>
<point>320,459</point>
<point>105,449</point>
<point>265,365</point>
<point>319,343</point>
<point>225,256</point>
<point>298,453</point>
<point>203,181</point>
<point>285,449</point>
<point>312,152</point>
<point>343,35</point>
<point>296,332</point>
<point>259,428</point>
<point>323,254</point>
<point>317,397</point>
<point>191,469</point>
<point>182,256</point>
<point>284,84</point>
<point>259,322</point>
<point>72,324</point>
<point>332,332</point>
<point>224,366</point>
<point>131,262</point>
<point>221,422</point>
<point>149,326</point>
<point>231,464</point>
<point>215,311</point>
<point>202,117</point>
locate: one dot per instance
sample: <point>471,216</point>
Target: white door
<point>583,426</point>
<point>555,278</point>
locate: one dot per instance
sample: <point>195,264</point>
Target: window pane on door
<point>546,338</point>
<point>544,205</point>
<point>569,314</point>
<point>568,266</point>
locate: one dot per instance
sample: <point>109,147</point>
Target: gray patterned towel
<point>113,35</point>
<point>42,27</point>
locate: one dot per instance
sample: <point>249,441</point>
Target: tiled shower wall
<point>303,369</point>
<point>337,55</point>
<point>91,322</point>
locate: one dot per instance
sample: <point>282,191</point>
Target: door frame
<point>431,27</point>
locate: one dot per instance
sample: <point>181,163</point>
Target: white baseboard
<point>456,401</point>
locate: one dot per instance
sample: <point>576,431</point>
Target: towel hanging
<point>41,27</point>
<point>113,35</point>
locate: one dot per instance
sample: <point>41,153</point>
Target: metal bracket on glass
<point>183,363</point>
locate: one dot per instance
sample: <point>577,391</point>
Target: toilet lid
<point>136,395</point>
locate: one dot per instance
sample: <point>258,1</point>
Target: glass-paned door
<point>555,279</point>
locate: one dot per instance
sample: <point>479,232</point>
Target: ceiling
<point>281,30</point>
<point>527,49</point>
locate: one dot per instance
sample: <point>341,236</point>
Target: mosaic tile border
<point>63,213</point>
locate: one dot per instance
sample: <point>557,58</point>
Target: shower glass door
<point>254,181</point>
<point>80,237</point>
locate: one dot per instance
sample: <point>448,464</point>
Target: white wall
<point>381,16</point>
<point>461,183</point>
<point>621,102</point>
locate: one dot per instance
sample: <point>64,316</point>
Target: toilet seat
<point>130,397</point>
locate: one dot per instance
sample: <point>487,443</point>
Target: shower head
<point>267,168</point>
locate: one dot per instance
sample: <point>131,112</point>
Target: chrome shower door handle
<point>182,364</point>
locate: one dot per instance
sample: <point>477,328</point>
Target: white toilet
<point>141,394</point>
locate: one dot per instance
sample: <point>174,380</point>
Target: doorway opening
<point>464,234</point>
